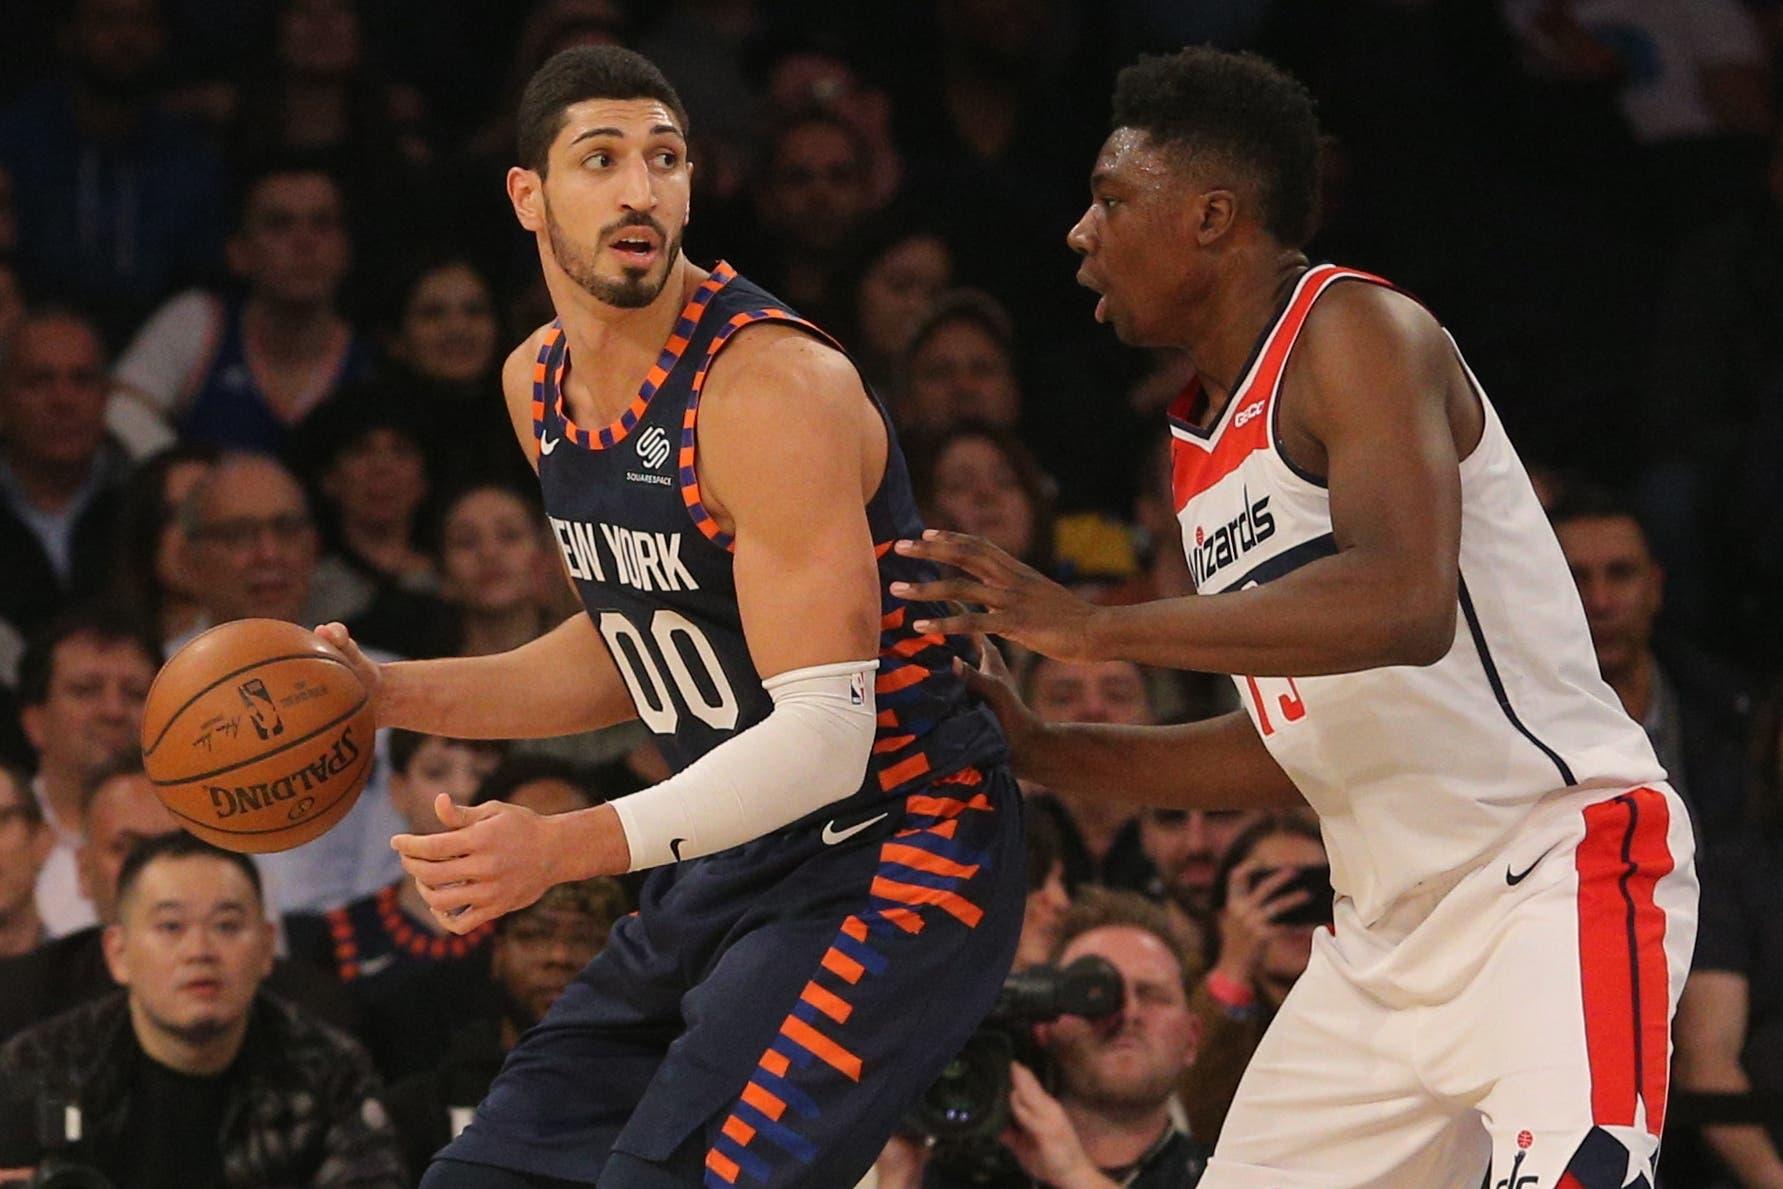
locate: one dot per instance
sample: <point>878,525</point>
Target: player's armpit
<point>1218,763</point>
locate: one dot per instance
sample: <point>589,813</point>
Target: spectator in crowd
<point>1101,838</point>
<point>82,684</point>
<point>59,472</point>
<point>545,784</point>
<point>1108,1123</point>
<point>119,813</point>
<point>25,842</point>
<point>961,366</point>
<point>977,478</point>
<point>1693,708</point>
<point>1049,896</point>
<point>117,202</point>
<point>535,954</point>
<point>1729,1028</point>
<point>812,199</point>
<point>1183,849</point>
<point>12,289</point>
<point>900,268</point>
<point>241,371</point>
<point>152,573</point>
<point>494,570</point>
<point>373,482</point>
<point>387,945</point>
<point>1256,961</point>
<point>192,1075</point>
<point>443,341</point>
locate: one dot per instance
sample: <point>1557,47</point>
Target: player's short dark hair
<point>525,768</point>
<point>1105,908</point>
<point>580,73</point>
<point>106,624</point>
<point>401,746</point>
<point>181,845</point>
<point>1240,107</point>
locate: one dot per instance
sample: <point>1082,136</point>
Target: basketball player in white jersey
<point>1516,897</point>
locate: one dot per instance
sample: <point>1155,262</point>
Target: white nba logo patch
<point>653,446</point>
<point>857,690</point>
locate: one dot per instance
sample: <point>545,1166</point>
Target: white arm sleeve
<point>811,750</point>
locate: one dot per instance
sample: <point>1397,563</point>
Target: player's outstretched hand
<point>991,680</point>
<point>493,858</point>
<point>370,676</point>
<point>1019,603</point>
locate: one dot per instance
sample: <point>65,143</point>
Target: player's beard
<point>636,289</point>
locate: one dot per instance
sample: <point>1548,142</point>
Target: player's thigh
<point>811,1038</point>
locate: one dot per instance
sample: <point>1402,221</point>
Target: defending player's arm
<point>790,450</point>
<point>559,684</point>
<point>1370,383</point>
<point>1219,763</point>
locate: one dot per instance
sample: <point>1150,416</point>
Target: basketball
<point>257,735</point>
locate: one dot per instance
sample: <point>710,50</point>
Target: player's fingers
<point>954,590</point>
<point>431,874</point>
<point>432,847</point>
<point>955,625</point>
<point>448,900</point>
<point>975,555</point>
<point>990,658</point>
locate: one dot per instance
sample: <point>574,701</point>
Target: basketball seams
<point>268,754</point>
<point>349,782</point>
<point>271,660</point>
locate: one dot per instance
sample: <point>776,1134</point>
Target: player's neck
<point>611,349</point>
<point>1114,1138</point>
<point>1239,308</point>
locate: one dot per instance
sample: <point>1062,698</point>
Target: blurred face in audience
<point>92,713</point>
<point>12,298</point>
<point>897,289</point>
<point>122,812</point>
<point>1089,691</point>
<point>254,547</point>
<point>979,491</point>
<point>550,795</point>
<point>116,45</point>
<point>611,206</point>
<point>541,950</point>
<point>1620,584</point>
<point>25,842</point>
<point>448,328</point>
<point>52,394</point>
<point>192,944</point>
<point>1185,847</point>
<point>1286,956</point>
<point>454,767</point>
<point>379,477</point>
<point>816,194</point>
<point>173,560</point>
<point>491,552</point>
<point>319,38</point>
<point>960,373</point>
<point>292,248</point>
<point>1130,1060</point>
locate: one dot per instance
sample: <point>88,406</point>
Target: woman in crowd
<point>978,478</point>
<point>153,578</point>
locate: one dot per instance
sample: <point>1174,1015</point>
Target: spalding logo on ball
<point>258,735</point>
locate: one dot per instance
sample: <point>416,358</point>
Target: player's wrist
<point>590,842</point>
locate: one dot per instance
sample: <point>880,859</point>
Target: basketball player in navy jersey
<point>836,867</point>
<point>1516,895</point>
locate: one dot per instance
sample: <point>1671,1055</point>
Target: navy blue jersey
<point>655,570</point>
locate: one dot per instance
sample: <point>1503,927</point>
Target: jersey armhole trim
<point>689,474</point>
<point>1322,482</point>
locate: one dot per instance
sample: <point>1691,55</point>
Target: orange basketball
<point>257,735</point>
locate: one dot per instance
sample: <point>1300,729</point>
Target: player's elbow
<point>1424,628</point>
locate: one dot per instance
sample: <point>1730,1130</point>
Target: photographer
<point>192,1077</point>
<point>1110,1124</point>
<point>1276,888</point>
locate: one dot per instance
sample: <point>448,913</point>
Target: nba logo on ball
<point>258,735</point>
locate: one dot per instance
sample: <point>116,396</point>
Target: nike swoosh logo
<point>1512,880</point>
<point>547,443</point>
<point>831,835</point>
<point>675,847</point>
<point>375,965</point>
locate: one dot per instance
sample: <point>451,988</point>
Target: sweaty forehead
<point>619,118</point>
<point>1130,155</point>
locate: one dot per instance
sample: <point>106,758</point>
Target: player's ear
<point>526,190</point>
<point>1214,212</point>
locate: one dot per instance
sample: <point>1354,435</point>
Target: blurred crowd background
<point>258,273</point>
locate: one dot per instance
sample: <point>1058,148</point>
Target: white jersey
<point>1417,773</point>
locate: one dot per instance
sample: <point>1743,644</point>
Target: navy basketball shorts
<point>772,1012</point>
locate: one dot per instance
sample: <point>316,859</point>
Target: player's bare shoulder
<point>518,372</point>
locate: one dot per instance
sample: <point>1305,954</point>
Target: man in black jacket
<point>191,1077</point>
